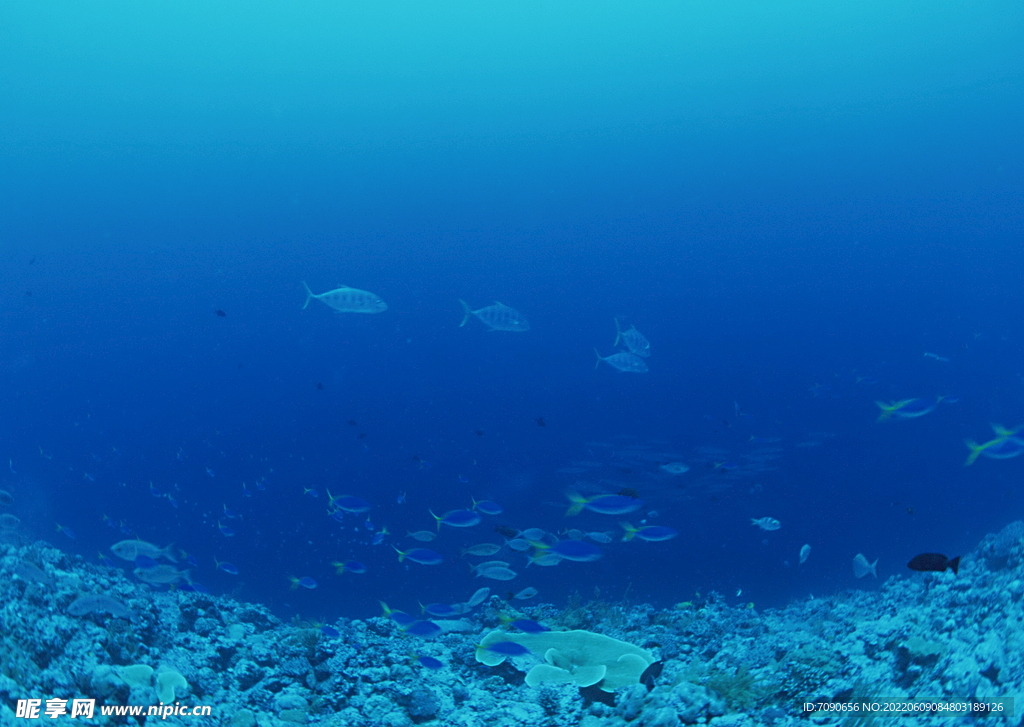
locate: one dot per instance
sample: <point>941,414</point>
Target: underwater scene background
<point>812,213</point>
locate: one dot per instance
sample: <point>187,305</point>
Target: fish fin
<point>578,502</point>
<point>467,311</point>
<point>309,295</point>
<point>954,565</point>
<point>618,332</point>
<point>599,359</point>
<point>630,531</point>
<point>168,553</point>
<point>976,450</point>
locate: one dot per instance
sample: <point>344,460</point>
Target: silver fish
<point>623,361</point>
<point>132,549</point>
<point>163,573</point>
<point>633,340</point>
<point>497,573</point>
<point>497,317</point>
<point>766,523</point>
<point>347,300</point>
<point>861,566</point>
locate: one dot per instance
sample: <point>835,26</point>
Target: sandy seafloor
<point>932,636</point>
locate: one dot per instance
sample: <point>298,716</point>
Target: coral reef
<point>928,636</point>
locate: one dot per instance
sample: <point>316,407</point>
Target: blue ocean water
<point>794,203</point>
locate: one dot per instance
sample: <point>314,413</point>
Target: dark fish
<point>935,562</point>
<point>220,313</point>
<point>651,673</point>
<point>541,422</point>
<point>319,386</point>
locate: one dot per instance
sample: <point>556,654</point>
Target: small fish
<point>68,532</point>
<point>805,552</point>
<point>604,504</point>
<point>1004,446</point>
<point>497,317</point>
<point>525,594</point>
<point>482,549</point>
<point>506,648</point>
<point>349,566</point>
<point>540,422</point>
<point>330,632</point>
<point>622,361</point>
<point>400,498</point>
<point>861,566</point>
<point>633,340</point>
<point>424,629</point>
<point>936,357</point>
<point>347,300</point>
<point>934,562</point>
<point>305,582</point>
<point>544,559</point>
<point>575,550</point>
<point>440,610</point>
<point>423,556</point>
<point>161,574</point>
<point>598,537</point>
<point>348,503</point>
<point>424,536</point>
<point>487,507</point>
<point>378,537</point>
<point>225,530</point>
<point>458,518</point>
<point>29,571</point>
<point>497,573</point>
<point>650,533</point>
<point>907,408</point>
<point>766,523</point>
<point>401,618</point>
<point>429,662</point>
<point>479,596</point>
<point>229,513</point>
<point>490,564</point>
<point>310,492</point>
<point>210,472</point>
<point>226,567</point>
<point>131,549</point>
<point>528,626</point>
<point>675,468</point>
<point>220,313</point>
